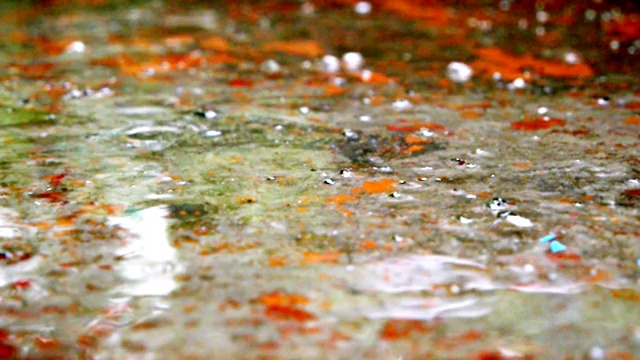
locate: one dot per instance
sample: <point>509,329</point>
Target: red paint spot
<point>7,351</point>
<point>240,83</point>
<point>22,284</point>
<point>537,124</point>
<point>633,192</point>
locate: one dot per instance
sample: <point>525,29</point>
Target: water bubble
<point>362,7</point>
<point>330,64</point>
<point>352,61</point>
<point>350,134</point>
<point>270,67</point>
<point>402,104</point>
<point>77,47</point>
<point>542,16</point>
<point>212,133</point>
<point>519,221</point>
<point>207,114</point>
<point>614,45</point>
<point>346,173</point>
<point>304,110</point>
<point>307,8</point>
<point>459,72</point>
<point>571,58</point>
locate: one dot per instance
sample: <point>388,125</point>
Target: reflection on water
<point>149,261</point>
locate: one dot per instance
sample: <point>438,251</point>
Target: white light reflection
<point>149,259</point>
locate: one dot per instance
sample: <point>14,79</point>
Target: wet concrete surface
<point>215,180</point>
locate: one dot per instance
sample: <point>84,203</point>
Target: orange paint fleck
<point>304,48</point>
<point>215,43</point>
<point>315,258</point>
<point>277,298</point>
<point>276,261</point>
<point>413,126</point>
<point>379,186</point>
<point>340,199</point>
<point>413,139</point>
<point>279,312</point>
<point>632,120</point>
<point>413,148</point>
<point>396,329</point>
<point>368,245</point>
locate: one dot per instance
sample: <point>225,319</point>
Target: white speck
<point>346,173</point>
<point>212,133</point>
<point>542,110</point>
<point>590,15</point>
<point>362,7</point>
<point>364,118</point>
<point>270,67</point>
<point>471,166</point>
<point>329,182</point>
<point>304,110</point>
<point>529,268</point>
<point>542,16</point>
<point>402,104</point>
<point>518,83</point>
<point>519,221</point>
<point>480,152</point>
<point>210,114</point>
<point>471,196</point>
<point>465,221</point>
<point>352,61</point>
<point>77,47</point>
<point>366,75</point>
<point>307,8</point>
<point>459,72</point>
<point>330,64</point>
<point>597,353</point>
<point>425,132</point>
<point>614,45</point>
<point>571,58</point>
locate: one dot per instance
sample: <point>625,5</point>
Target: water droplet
<point>77,47</point>
<point>270,67</point>
<point>402,104</point>
<point>330,64</point>
<point>362,7</point>
<point>352,61</point>
<point>350,134</point>
<point>519,221</point>
<point>346,173</point>
<point>304,110</point>
<point>459,72</point>
<point>212,133</point>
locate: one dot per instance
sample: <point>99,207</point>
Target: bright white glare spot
<point>352,61</point>
<point>459,72</point>
<point>401,104</point>
<point>542,110</point>
<point>542,16</point>
<point>330,64</point>
<point>365,118</point>
<point>213,133</point>
<point>465,221</point>
<point>76,47</point>
<point>270,67</point>
<point>362,7</point>
<point>304,110</point>
<point>571,58</point>
<point>519,221</point>
<point>614,45</point>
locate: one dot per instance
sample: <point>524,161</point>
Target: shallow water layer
<point>215,180</point>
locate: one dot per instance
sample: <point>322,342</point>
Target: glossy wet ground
<point>188,180</point>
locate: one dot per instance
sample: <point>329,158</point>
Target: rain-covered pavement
<point>324,179</point>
